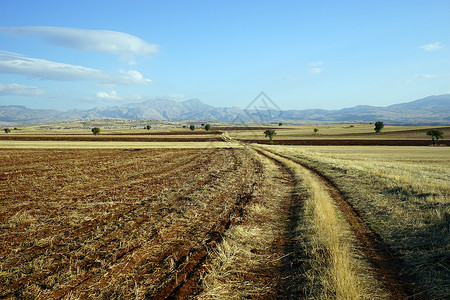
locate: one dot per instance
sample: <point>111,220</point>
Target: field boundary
<point>346,142</point>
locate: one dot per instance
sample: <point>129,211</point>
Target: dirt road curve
<point>388,267</point>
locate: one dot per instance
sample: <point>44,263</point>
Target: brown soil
<point>104,138</point>
<point>349,142</point>
<point>115,224</point>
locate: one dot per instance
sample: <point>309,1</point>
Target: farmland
<point>170,213</point>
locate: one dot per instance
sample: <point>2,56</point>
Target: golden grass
<point>336,270</point>
<point>340,131</point>
<point>403,194</point>
<point>246,263</point>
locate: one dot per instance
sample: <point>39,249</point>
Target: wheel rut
<point>389,269</point>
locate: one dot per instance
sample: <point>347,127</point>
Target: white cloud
<point>118,43</point>
<point>45,69</point>
<point>432,47</point>
<point>315,64</point>
<point>315,70</point>
<point>12,63</point>
<point>20,89</point>
<point>418,77</point>
<point>315,67</point>
<point>423,76</point>
<point>108,96</point>
<point>133,77</point>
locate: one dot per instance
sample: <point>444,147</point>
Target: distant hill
<point>433,110</point>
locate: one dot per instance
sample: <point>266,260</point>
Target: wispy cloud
<point>108,96</point>
<point>118,43</point>
<point>45,69</point>
<point>12,63</point>
<point>315,64</point>
<point>315,67</point>
<point>20,89</point>
<point>113,96</point>
<point>432,47</point>
<point>419,77</point>
<point>133,77</point>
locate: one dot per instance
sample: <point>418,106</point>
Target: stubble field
<point>210,217</point>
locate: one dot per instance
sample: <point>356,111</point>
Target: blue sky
<point>302,54</point>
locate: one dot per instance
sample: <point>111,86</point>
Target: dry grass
<point>247,261</point>
<point>343,131</point>
<point>404,195</point>
<point>336,270</point>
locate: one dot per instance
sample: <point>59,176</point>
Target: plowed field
<point>113,223</point>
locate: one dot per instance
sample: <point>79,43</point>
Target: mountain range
<point>433,110</point>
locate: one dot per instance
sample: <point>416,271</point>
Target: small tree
<point>280,124</point>
<point>207,127</point>
<point>148,127</point>
<point>192,127</point>
<point>95,130</point>
<point>270,133</point>
<point>378,126</point>
<point>7,130</point>
<point>316,130</point>
<point>435,135</point>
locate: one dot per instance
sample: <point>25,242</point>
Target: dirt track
<point>388,267</point>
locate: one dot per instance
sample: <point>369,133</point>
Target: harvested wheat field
<point>114,223</point>
<point>204,223</point>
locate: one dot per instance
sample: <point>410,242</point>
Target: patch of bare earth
<point>115,224</point>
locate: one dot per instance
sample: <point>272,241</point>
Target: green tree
<point>95,130</point>
<point>435,135</point>
<point>148,127</point>
<point>207,127</point>
<point>280,124</point>
<point>7,130</point>
<point>378,126</point>
<point>270,133</point>
<point>316,130</point>
<point>192,127</point>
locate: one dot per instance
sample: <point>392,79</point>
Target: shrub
<point>95,130</point>
<point>7,130</point>
<point>316,130</point>
<point>207,127</point>
<point>148,127</point>
<point>192,127</point>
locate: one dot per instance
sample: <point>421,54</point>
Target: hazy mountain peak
<point>433,110</point>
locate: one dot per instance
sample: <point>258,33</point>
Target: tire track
<point>388,267</point>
